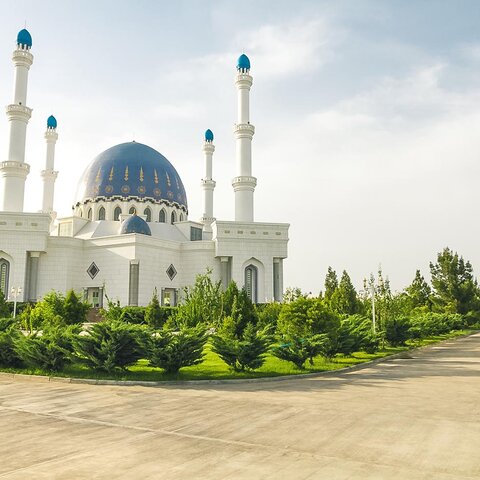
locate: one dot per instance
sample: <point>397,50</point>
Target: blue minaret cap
<point>243,62</point>
<point>209,136</point>
<point>24,38</point>
<point>51,122</point>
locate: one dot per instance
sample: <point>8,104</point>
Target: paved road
<point>416,418</point>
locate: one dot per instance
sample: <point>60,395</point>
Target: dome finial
<point>51,122</point>
<point>24,39</point>
<point>209,136</point>
<point>243,63</point>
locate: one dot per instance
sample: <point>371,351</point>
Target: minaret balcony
<point>243,80</point>
<point>244,130</point>
<point>18,112</point>
<point>244,182</point>
<point>208,183</point>
<point>49,174</point>
<point>14,169</point>
<point>22,58</point>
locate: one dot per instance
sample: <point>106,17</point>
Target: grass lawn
<point>213,368</point>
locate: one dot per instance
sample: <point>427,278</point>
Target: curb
<point>281,378</point>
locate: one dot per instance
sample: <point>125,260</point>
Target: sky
<point>367,115</point>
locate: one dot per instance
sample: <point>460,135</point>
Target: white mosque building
<point>129,231</point>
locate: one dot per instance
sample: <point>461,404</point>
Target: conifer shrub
<point>133,315</point>
<point>50,351</point>
<point>397,330</point>
<point>299,350</point>
<point>173,350</point>
<point>8,334</point>
<point>246,352</point>
<point>109,346</point>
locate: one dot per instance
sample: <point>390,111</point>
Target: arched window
<point>116,213</point>
<point>81,213</point>
<point>251,282</point>
<point>89,214</point>
<point>181,217</point>
<point>101,213</point>
<point>148,214</point>
<point>132,210</point>
<point>173,217</point>
<point>4,271</point>
<point>162,217</point>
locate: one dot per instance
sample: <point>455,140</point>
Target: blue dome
<point>135,224</point>
<point>209,136</point>
<point>243,62</point>
<point>24,38</point>
<point>132,171</point>
<point>51,122</point>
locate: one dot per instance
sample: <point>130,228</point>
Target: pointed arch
<point>148,214</point>
<point>173,217</point>
<point>89,214</point>
<point>162,216</point>
<point>251,282</point>
<point>181,217</point>
<point>4,275</point>
<point>101,213</point>
<point>116,213</point>
<point>132,210</point>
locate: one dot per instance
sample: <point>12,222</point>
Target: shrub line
<point>280,378</point>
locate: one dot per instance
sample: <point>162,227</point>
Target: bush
<point>431,324</point>
<point>246,353</point>
<point>173,350</point>
<point>133,315</point>
<point>74,309</point>
<point>299,350</point>
<point>397,330</point>
<point>50,351</point>
<point>268,314</point>
<point>354,334</point>
<point>109,345</point>
<point>8,335</point>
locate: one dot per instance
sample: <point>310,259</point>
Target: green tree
<point>293,293</point>
<point>202,304</point>
<point>344,299</point>
<point>238,306</point>
<point>455,288</point>
<point>307,316</point>
<point>419,292</point>
<point>153,312</point>
<point>331,284</point>
<point>74,310</point>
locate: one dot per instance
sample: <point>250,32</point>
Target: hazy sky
<point>367,114</point>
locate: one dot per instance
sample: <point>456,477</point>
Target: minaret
<point>49,175</point>
<point>14,171</point>
<point>244,184</point>
<point>208,184</point>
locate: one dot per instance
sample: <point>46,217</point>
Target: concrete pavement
<point>412,418</point>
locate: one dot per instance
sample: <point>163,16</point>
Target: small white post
<point>15,292</point>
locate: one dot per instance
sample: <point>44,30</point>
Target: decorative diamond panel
<point>92,270</point>
<point>171,272</point>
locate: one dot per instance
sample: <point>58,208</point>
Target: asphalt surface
<point>411,418</point>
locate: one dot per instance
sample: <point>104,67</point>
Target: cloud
<point>289,49</point>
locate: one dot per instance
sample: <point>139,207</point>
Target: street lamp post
<point>15,292</point>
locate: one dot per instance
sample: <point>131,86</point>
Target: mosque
<point>130,232</point>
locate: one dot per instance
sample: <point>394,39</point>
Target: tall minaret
<point>14,171</point>
<point>244,184</point>
<point>208,184</point>
<point>49,175</point>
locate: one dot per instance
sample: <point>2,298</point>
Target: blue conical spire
<point>51,122</point>
<point>24,38</point>
<point>243,62</point>
<point>209,136</point>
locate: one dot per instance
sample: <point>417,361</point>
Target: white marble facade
<point>130,231</point>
